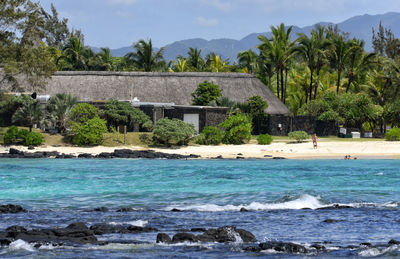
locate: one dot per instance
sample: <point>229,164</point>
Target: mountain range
<point>357,26</point>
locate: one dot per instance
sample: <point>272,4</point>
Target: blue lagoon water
<point>282,198</point>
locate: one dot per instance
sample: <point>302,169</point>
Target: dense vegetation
<point>325,74</point>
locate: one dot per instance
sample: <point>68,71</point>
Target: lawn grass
<point>117,139</point>
<point>286,139</point>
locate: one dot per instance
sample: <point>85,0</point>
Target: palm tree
<point>28,114</point>
<point>180,65</point>
<point>195,59</point>
<point>216,64</point>
<point>105,59</point>
<point>145,58</point>
<point>358,63</point>
<point>248,59</point>
<point>279,49</point>
<point>338,56</point>
<point>59,108</point>
<point>74,54</point>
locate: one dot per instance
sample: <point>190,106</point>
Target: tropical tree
<point>105,59</point>
<point>29,114</point>
<point>74,54</point>
<point>248,59</point>
<point>145,58</point>
<point>195,60</point>
<point>216,63</point>
<point>180,65</point>
<point>59,109</point>
<point>279,49</point>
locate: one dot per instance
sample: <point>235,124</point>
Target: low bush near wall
<point>264,139</point>
<point>393,134</point>
<point>24,137</point>
<point>210,136</point>
<point>299,136</point>
<point>89,133</point>
<point>168,132</point>
<point>237,129</point>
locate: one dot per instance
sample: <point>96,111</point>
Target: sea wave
<point>374,252</point>
<point>304,201</point>
<point>137,223</point>
<point>21,245</point>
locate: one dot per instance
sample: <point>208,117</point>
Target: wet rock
<point>5,242</point>
<point>77,225</point>
<point>184,237</point>
<point>163,238</point>
<point>218,157</point>
<point>267,155</point>
<point>226,234</point>
<point>11,208</point>
<point>290,248</point>
<point>318,247</point>
<point>252,249</point>
<point>352,247</point>
<point>85,155</point>
<point>101,209</point>
<point>105,155</point>
<point>31,147</point>
<point>239,157</point>
<point>335,206</point>
<point>75,233</point>
<point>243,210</point>
<point>394,242</point>
<point>14,151</point>
<point>176,210</point>
<point>278,157</point>
<point>332,220</point>
<point>101,229</point>
<point>366,244</point>
<point>125,209</point>
<point>240,154</point>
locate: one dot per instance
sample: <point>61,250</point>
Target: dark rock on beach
<point>74,233</point>
<point>184,237</point>
<point>198,230</point>
<point>163,238</point>
<point>290,248</point>
<point>11,208</point>
<point>278,157</point>
<point>335,206</point>
<point>226,234</point>
<point>101,229</point>
<point>101,209</point>
<point>394,242</point>
<point>125,209</point>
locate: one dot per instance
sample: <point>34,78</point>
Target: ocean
<point>275,200</point>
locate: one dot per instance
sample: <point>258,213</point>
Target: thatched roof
<point>159,87</point>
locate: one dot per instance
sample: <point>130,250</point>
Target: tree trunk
<point>348,85</point>
<point>311,82</point>
<point>277,84</point>
<point>316,86</point>
<point>338,80</point>
<point>282,96</point>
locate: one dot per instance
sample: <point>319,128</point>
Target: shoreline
<point>302,151</point>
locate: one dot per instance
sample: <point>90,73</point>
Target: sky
<point>120,23</point>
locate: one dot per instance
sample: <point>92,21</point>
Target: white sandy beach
<point>331,149</point>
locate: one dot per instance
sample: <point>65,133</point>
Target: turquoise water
<point>210,193</point>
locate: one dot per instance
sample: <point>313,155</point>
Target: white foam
<point>137,223</point>
<point>304,201</point>
<point>21,245</point>
<point>235,235</point>
<point>372,252</point>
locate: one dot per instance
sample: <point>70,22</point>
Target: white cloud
<point>122,2</point>
<point>205,21</point>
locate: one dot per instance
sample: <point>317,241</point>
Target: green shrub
<point>11,135</point>
<point>15,136</point>
<point>264,139</point>
<point>205,93</point>
<point>168,132</point>
<point>210,136</point>
<point>393,134</point>
<point>145,139</point>
<point>299,136</point>
<point>83,112</point>
<point>237,129</point>
<point>33,139</point>
<point>89,132</point>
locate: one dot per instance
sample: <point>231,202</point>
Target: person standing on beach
<point>314,140</point>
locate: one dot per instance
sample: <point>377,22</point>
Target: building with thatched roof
<point>159,87</point>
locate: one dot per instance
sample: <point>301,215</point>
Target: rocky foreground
<point>118,153</point>
<point>79,233</point>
